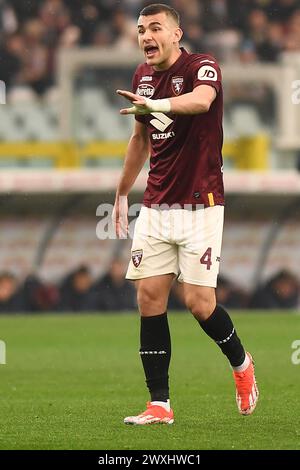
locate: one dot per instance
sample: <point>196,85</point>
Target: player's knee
<point>149,302</point>
<point>200,306</point>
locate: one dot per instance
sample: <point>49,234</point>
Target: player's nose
<point>147,36</point>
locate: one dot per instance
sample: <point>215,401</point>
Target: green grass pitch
<point>69,381</point>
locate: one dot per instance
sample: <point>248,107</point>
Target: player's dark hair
<point>156,8</point>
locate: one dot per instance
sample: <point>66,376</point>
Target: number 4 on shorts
<point>206,258</point>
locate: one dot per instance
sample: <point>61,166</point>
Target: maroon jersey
<point>186,159</point>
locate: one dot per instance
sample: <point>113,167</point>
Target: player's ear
<point>178,33</point>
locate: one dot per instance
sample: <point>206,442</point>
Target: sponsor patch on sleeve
<point>207,72</point>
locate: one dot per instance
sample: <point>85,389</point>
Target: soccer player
<point>177,103</point>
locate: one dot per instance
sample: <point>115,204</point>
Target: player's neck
<point>169,62</point>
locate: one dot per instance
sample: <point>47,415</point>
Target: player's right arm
<point>135,157</point>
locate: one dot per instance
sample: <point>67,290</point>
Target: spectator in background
<point>11,299</point>
<point>292,40</point>
<point>266,37</point>
<point>11,57</point>
<point>176,299</point>
<point>282,10</point>
<point>39,297</point>
<point>194,35</point>
<point>8,18</point>
<point>77,293</point>
<point>87,17</point>
<point>214,14</point>
<point>124,31</point>
<point>55,18</point>
<point>103,36</point>
<point>275,41</point>
<point>280,292</point>
<point>114,291</point>
<point>36,57</point>
<point>70,37</point>
<point>24,9</point>
<point>238,13</point>
<point>248,30</point>
<point>229,295</point>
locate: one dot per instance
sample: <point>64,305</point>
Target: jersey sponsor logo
<point>161,121</point>
<point>145,90</point>
<point>177,85</point>
<point>146,78</point>
<point>137,256</point>
<point>207,72</point>
<point>163,135</point>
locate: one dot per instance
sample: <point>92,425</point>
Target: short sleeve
<point>206,71</point>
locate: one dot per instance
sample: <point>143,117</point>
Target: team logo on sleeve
<point>146,90</point>
<point>207,72</point>
<point>177,85</point>
<point>137,257</point>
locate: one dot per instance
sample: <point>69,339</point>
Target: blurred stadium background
<point>62,143</point>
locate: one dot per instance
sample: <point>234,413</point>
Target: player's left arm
<point>206,82</point>
<point>196,102</point>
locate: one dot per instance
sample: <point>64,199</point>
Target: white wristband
<point>159,106</point>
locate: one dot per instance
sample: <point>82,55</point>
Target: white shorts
<point>180,241</point>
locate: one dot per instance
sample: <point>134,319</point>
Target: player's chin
<point>152,60</point>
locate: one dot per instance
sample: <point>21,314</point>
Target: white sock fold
<point>164,404</point>
<point>243,366</point>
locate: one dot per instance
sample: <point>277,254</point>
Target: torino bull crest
<point>177,85</point>
<point>137,256</point>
